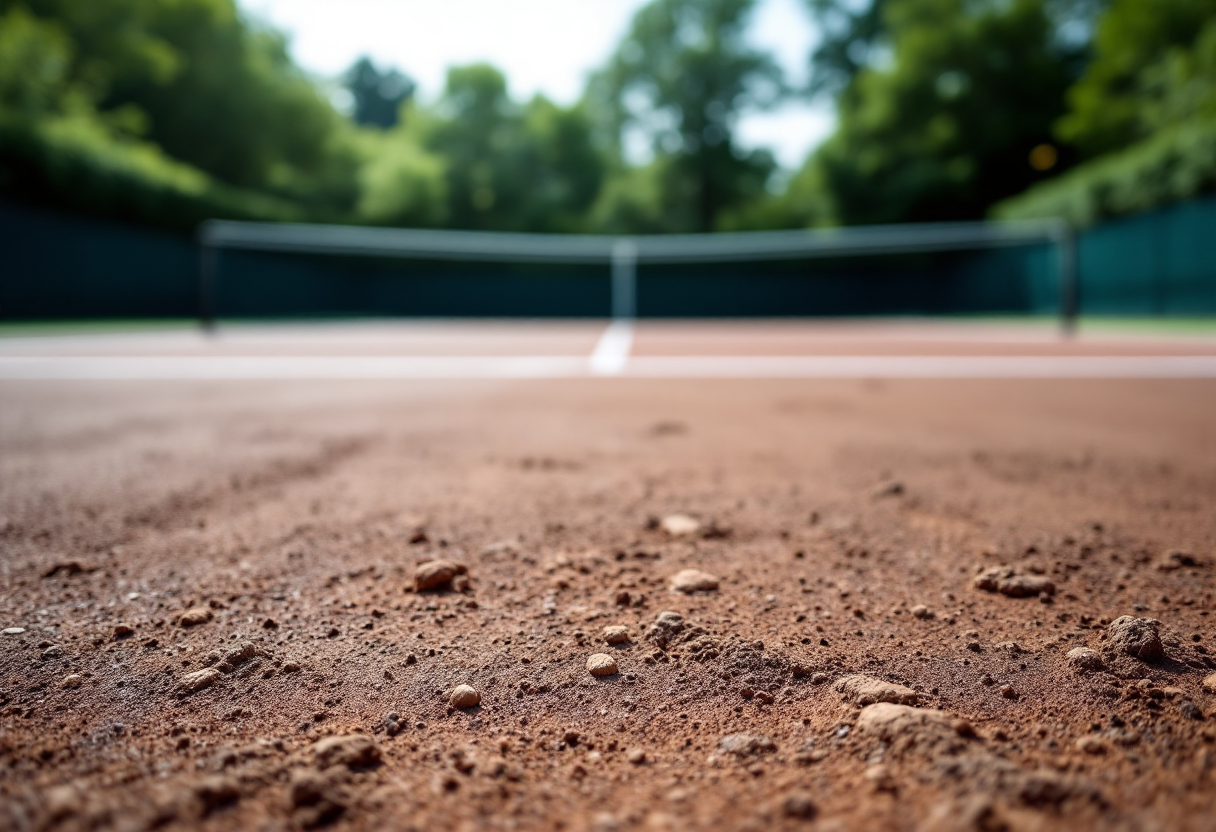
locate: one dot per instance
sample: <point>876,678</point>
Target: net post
<point>208,255</point>
<point>624,280</point>
<point>1066,249</point>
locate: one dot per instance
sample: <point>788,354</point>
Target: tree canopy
<point>679,81</point>
<point>170,111</point>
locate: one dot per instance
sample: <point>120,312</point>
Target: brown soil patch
<point>846,672</point>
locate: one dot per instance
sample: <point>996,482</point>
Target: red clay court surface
<point>923,539</point>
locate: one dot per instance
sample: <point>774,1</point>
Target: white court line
<point>611,352</point>
<point>924,366</point>
<point>239,367</point>
<point>670,367</point>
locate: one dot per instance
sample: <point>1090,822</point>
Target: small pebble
<point>52,652</point>
<point>681,525</point>
<point>436,574</point>
<point>693,580</point>
<point>616,634</point>
<point>350,750</point>
<point>464,696</point>
<point>1209,683</point>
<point>922,612</point>
<point>1084,660</point>
<point>13,631</point>
<point>636,756</point>
<point>1013,582</point>
<point>1008,692</point>
<point>72,680</point>
<point>1092,745</point>
<point>601,664</point>
<point>194,616</point>
<point>1176,559</point>
<point>1190,710</point>
<point>198,680</point>
<point>123,630</point>
<point>799,805</point>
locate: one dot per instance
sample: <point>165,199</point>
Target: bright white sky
<point>546,46</point>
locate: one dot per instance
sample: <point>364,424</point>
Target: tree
<point>510,167</point>
<point>1145,55</point>
<point>211,88</point>
<point>680,80</point>
<point>378,95</point>
<point>945,127</point>
<point>851,38</point>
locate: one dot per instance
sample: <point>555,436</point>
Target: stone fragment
<point>437,574</point>
<point>890,488</point>
<point>1190,710</point>
<point>866,690</point>
<point>886,720</point>
<point>1209,683</point>
<point>72,680</point>
<point>464,696</point>
<point>746,745</point>
<point>68,568</point>
<point>1177,559</point>
<point>216,791</point>
<point>1084,660</point>
<point>880,777</point>
<point>680,525</point>
<point>350,750</point>
<point>52,652</point>
<point>1137,637</point>
<point>199,679</point>
<point>922,612</point>
<point>665,628</point>
<point>194,616</point>
<point>799,805</point>
<point>1090,744</point>
<point>13,631</point>
<point>693,580</point>
<point>601,664</point>
<point>1013,582</point>
<point>616,634</point>
<point>123,630</point>
<point>237,656</point>
<point>636,756</point>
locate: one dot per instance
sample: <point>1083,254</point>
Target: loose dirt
<point>258,605</point>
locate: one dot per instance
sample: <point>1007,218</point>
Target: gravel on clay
<point>939,605</point>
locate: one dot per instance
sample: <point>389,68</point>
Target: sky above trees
<point>542,46</point>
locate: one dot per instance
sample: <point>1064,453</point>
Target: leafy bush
<point>1177,163</point>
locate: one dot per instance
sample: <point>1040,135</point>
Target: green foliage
<point>1150,93</point>
<point>401,182</point>
<point>680,80</point>
<point>378,95</point>
<point>508,166</point>
<point>851,38</point>
<point>213,90</point>
<point>943,129</point>
<point>57,149</point>
<point>1148,71</point>
<point>1177,163</point>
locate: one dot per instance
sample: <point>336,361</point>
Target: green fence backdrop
<point>56,266</point>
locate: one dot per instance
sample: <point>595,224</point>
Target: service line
<point>610,358</point>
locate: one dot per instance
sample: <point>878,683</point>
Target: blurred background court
<point>127,125</point>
